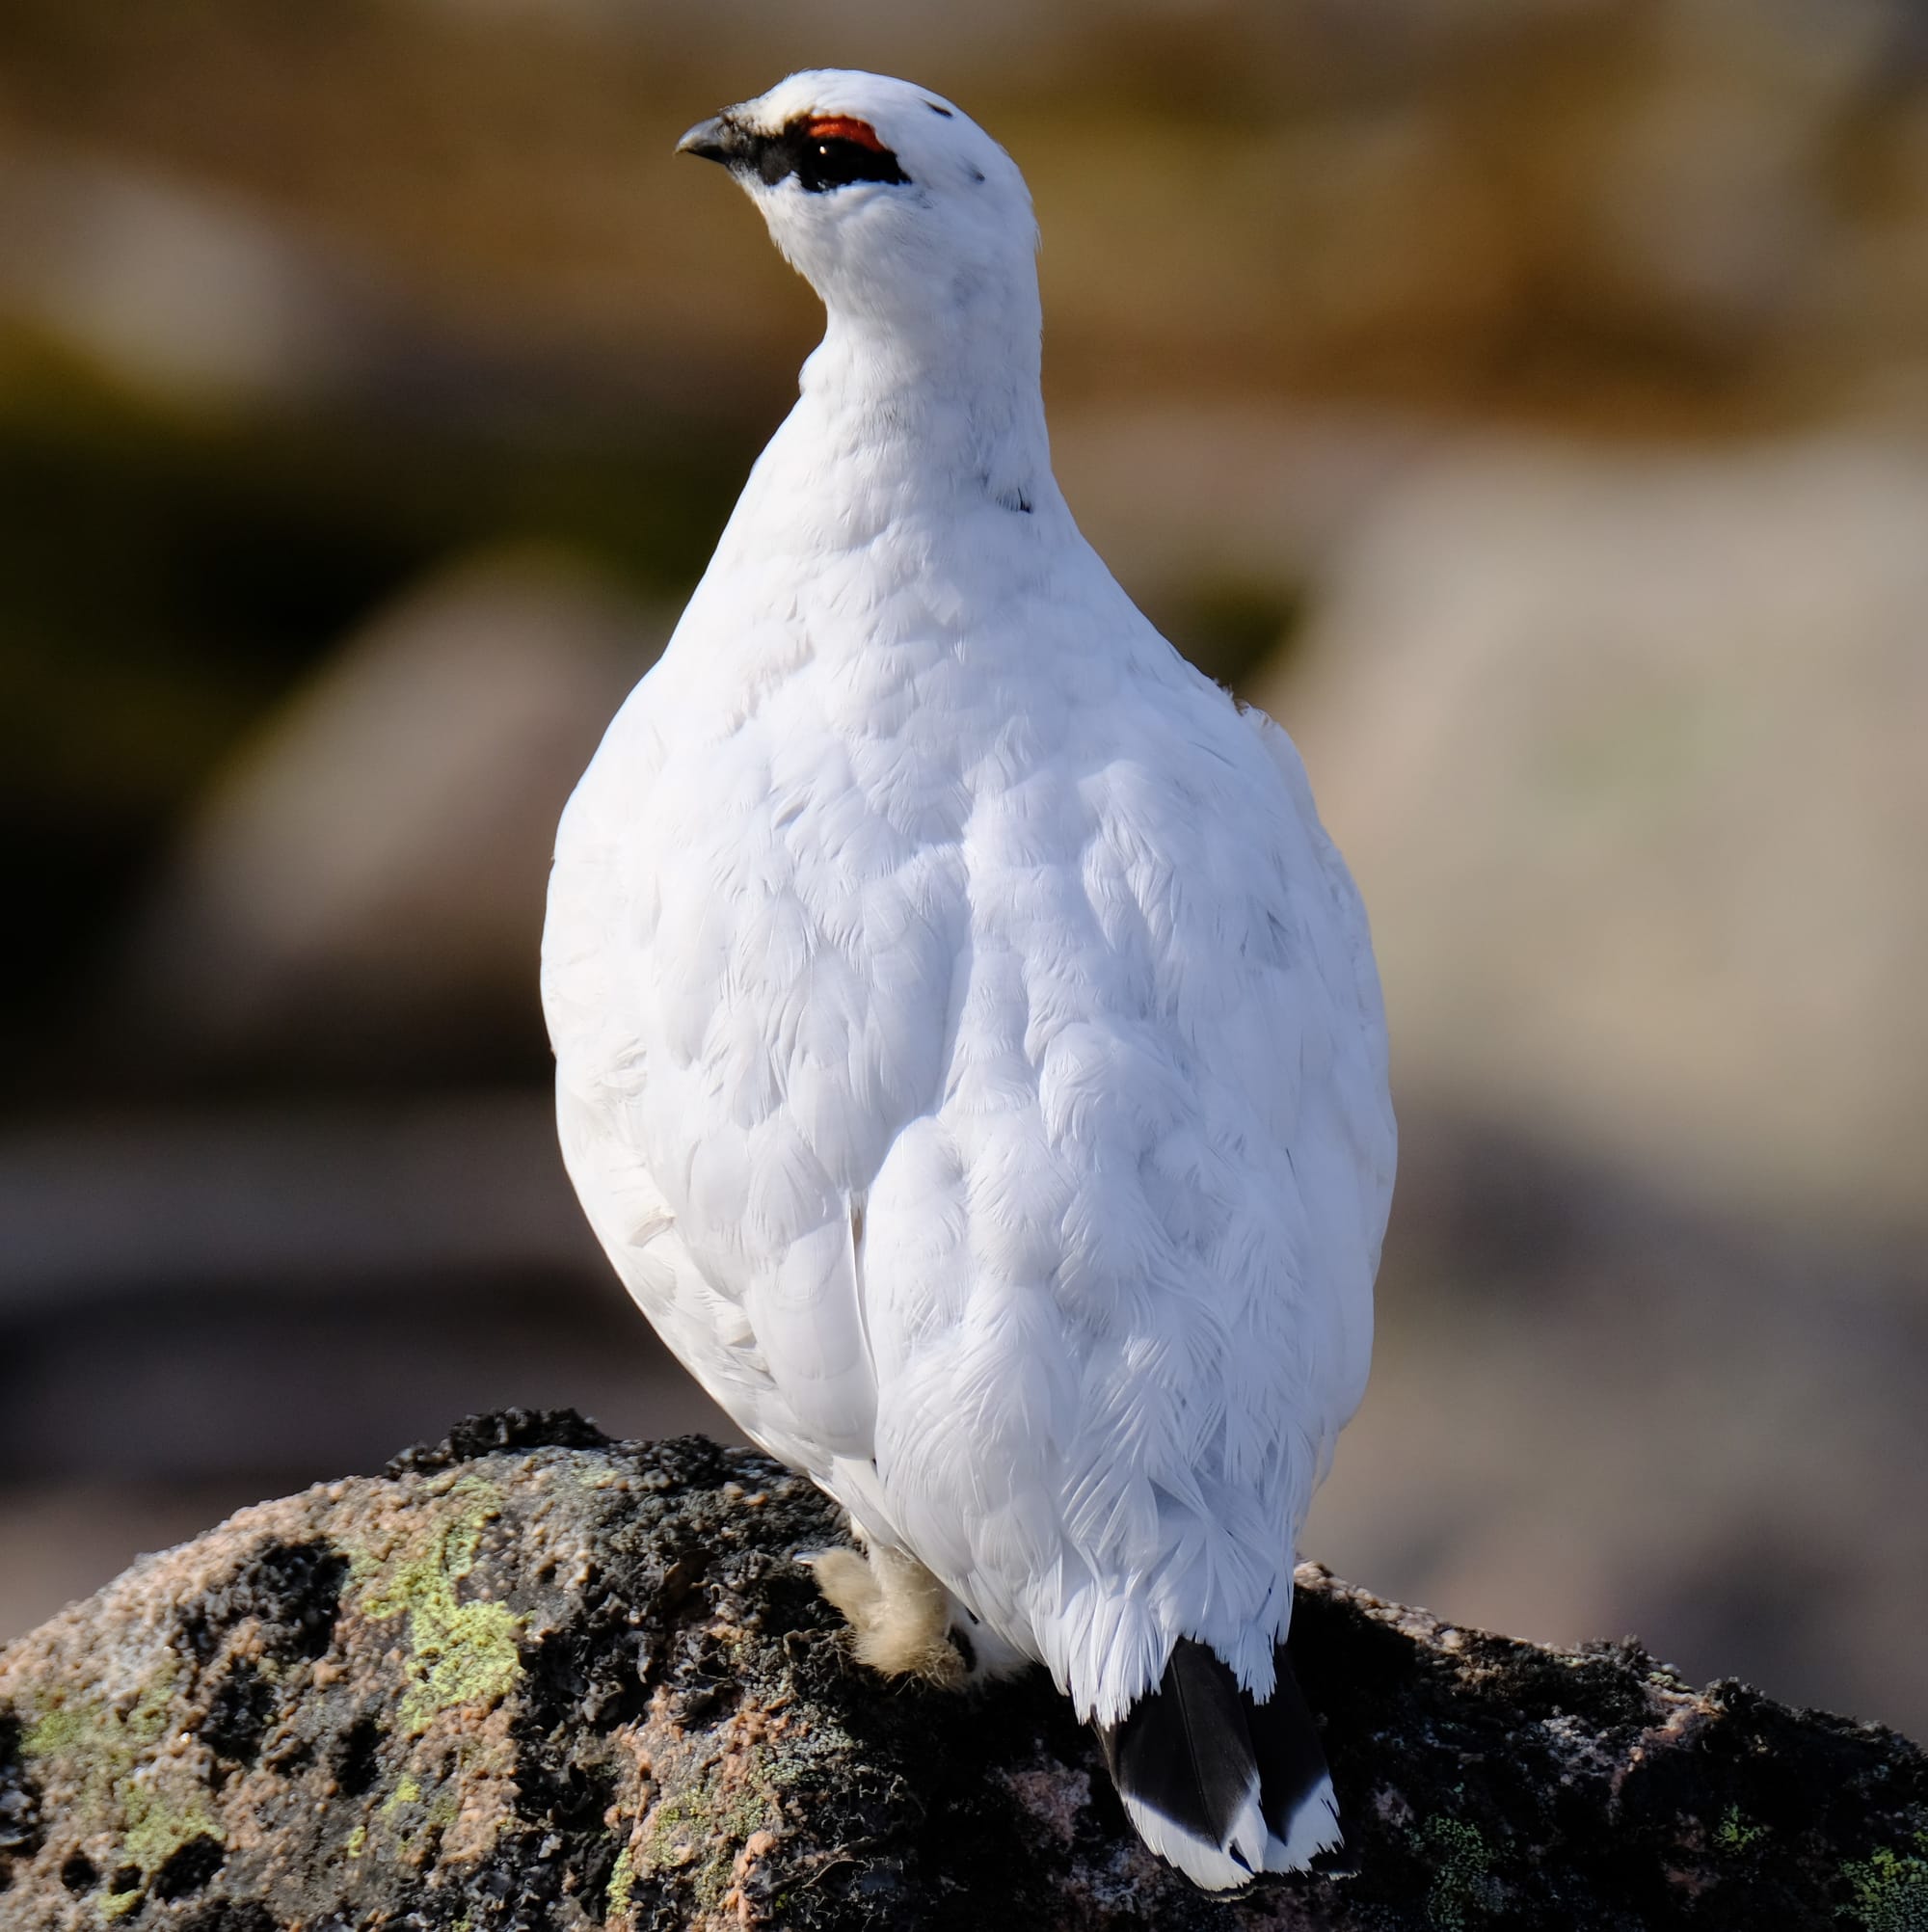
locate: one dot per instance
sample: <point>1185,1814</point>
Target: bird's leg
<point>898,1613</point>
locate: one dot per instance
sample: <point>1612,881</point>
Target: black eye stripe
<point>820,162</point>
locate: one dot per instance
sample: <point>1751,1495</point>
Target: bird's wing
<point>746,973</point>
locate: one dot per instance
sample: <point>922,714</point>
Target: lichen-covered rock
<point>533,1678</point>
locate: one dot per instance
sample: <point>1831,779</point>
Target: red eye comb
<point>842,127</point>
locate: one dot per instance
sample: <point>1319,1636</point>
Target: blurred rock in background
<point>365,882</point>
<point>1625,750</point>
<point>1528,403</point>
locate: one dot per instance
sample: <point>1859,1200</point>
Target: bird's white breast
<point>971,1057</point>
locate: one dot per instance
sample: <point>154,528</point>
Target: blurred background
<point>1527,403</point>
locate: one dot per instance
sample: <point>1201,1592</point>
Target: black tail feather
<point>1186,1749</point>
<point>1285,1742</point>
<point>1197,1750</point>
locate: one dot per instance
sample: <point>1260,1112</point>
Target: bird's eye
<point>834,150</point>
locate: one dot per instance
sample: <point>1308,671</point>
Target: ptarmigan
<point>970,1051</point>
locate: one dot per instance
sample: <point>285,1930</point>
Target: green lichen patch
<point>1890,1889</point>
<point>459,1653</point>
<point>1462,1888</point>
<point>118,1904</point>
<point>622,1879</point>
<point>66,1728</point>
<point>1734,1835</point>
<point>679,1832</point>
<point>153,1805</point>
<point>465,1655</point>
<point>714,1803</point>
<point>160,1822</point>
<point>426,1833</point>
<point>418,1821</point>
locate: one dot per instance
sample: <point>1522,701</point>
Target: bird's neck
<point>941,412</point>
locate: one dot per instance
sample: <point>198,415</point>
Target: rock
<point>174,291</point>
<point>536,1679</point>
<point>366,884</point>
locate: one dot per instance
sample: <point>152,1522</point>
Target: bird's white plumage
<point>970,1052</point>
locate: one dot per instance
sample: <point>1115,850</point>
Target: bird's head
<point>896,207</point>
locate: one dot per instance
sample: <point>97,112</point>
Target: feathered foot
<point>898,1613</point>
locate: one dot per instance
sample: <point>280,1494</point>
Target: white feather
<point>922,875</point>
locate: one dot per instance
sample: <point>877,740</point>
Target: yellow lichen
<point>675,1825</point>
<point>154,1807</point>
<point>157,1827</point>
<point>594,1472</point>
<point>61,1729</point>
<point>1891,1890</point>
<point>707,1828</point>
<point>459,1654</point>
<point>622,1880</point>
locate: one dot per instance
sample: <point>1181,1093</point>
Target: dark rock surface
<point>533,1678</point>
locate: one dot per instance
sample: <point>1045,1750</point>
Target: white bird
<point>968,1046</point>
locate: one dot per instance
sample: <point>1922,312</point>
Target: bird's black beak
<point>717,139</point>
